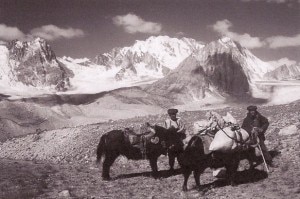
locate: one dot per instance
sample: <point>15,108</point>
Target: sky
<point>270,29</point>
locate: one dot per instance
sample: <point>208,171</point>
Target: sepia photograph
<point>149,99</point>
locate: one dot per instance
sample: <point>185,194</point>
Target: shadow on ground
<point>274,153</point>
<point>161,174</point>
<point>242,177</point>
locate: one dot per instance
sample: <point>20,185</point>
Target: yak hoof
<point>106,178</point>
<point>171,170</point>
<point>233,184</point>
<point>155,175</point>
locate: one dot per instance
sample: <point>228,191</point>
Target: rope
<point>136,134</point>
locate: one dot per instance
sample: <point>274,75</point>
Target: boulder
<point>64,194</point>
<point>288,130</point>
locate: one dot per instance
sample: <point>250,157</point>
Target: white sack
<point>225,143</point>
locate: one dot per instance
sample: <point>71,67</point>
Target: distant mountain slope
<point>284,72</point>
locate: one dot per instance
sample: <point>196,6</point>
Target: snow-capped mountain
<point>32,64</point>
<point>220,69</point>
<point>284,72</point>
<point>253,67</point>
<point>149,59</point>
<point>182,68</point>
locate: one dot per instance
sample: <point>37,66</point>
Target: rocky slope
<point>76,176</point>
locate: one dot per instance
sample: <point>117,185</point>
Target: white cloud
<point>282,61</point>
<point>283,41</point>
<point>9,33</point>
<point>246,40</point>
<point>52,32</point>
<point>133,24</point>
<point>180,34</point>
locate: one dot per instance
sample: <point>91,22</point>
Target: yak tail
<point>101,148</point>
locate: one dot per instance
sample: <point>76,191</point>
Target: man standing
<point>175,122</point>
<point>255,123</point>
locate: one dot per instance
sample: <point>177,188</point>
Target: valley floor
<point>61,164</point>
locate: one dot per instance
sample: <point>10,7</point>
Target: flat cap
<point>172,111</point>
<point>252,108</point>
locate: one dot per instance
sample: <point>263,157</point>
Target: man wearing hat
<point>174,122</point>
<point>257,124</point>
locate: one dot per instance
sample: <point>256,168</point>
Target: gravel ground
<point>61,164</point>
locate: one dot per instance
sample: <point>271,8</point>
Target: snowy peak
<point>33,64</point>
<point>151,58</point>
<point>220,68</point>
<point>168,51</point>
<point>253,67</point>
<point>24,50</point>
<point>226,41</point>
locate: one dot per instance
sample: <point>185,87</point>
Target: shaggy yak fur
<point>115,143</point>
<point>193,159</point>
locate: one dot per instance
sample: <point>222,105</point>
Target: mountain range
<point>177,69</point>
<point>39,90</point>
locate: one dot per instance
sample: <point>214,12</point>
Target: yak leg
<point>197,177</point>
<point>186,174</point>
<point>153,164</point>
<point>231,168</point>
<point>171,160</point>
<point>251,158</point>
<point>108,161</point>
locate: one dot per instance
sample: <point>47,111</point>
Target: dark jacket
<point>257,121</point>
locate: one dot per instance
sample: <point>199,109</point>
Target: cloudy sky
<point>85,28</point>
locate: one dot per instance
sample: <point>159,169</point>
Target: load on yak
<point>226,135</point>
<point>217,142</point>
